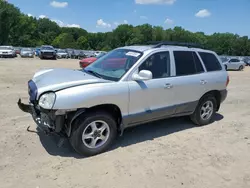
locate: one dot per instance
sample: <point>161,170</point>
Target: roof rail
<point>158,44</point>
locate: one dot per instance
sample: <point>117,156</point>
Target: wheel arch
<point>216,94</point>
<point>112,109</point>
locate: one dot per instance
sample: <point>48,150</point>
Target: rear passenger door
<point>189,81</point>
<point>215,76</point>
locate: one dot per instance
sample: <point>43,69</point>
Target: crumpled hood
<point>57,79</point>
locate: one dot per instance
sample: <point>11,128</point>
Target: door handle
<point>203,82</point>
<point>168,86</point>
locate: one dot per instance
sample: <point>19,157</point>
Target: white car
<point>128,86</point>
<point>62,54</point>
<point>98,53</point>
<point>7,51</point>
<point>234,64</point>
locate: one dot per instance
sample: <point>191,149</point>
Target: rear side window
<point>210,61</point>
<point>187,63</point>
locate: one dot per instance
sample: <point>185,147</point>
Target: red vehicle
<point>87,61</point>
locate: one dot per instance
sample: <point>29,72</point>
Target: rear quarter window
<point>210,61</point>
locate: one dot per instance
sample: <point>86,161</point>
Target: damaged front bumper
<point>46,120</point>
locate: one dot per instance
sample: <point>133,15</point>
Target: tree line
<point>19,29</point>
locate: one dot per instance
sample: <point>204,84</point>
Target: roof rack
<point>158,44</point>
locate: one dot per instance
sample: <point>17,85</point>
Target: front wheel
<point>93,134</point>
<point>204,112</point>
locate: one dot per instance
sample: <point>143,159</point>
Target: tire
<point>196,117</point>
<point>54,58</point>
<point>82,125</point>
<point>240,68</point>
<point>226,67</point>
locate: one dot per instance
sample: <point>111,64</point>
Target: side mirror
<point>143,75</point>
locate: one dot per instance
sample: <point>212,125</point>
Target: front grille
<point>32,90</point>
<point>48,53</point>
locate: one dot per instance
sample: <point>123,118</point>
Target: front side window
<point>234,60</point>
<point>158,64</point>
<point>187,63</point>
<point>114,64</point>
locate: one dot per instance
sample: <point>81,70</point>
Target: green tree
<point>64,40</point>
<point>82,42</point>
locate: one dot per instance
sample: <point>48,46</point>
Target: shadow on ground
<point>131,136</point>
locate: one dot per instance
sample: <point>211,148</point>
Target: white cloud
<point>125,21</point>
<point>169,2</point>
<point>169,21</point>
<point>143,17</point>
<point>116,23</point>
<point>62,24</point>
<point>30,15</point>
<point>57,4</point>
<point>101,23</point>
<point>203,13</point>
<point>73,25</point>
<point>42,16</point>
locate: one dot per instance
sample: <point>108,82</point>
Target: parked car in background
<point>27,52</point>
<point>47,52</point>
<point>37,52</point>
<point>71,53</point>
<point>17,50</point>
<point>234,64</point>
<point>87,61</point>
<point>62,54</point>
<point>7,51</point>
<point>91,106</point>
<point>98,53</point>
<point>246,61</point>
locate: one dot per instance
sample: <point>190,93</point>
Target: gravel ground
<point>171,153</point>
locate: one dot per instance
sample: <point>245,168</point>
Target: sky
<point>208,16</point>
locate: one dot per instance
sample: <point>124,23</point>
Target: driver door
<point>152,99</point>
<point>233,64</point>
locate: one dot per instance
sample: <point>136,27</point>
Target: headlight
<point>47,100</point>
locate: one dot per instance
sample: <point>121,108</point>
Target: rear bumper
<point>46,121</point>
<point>223,94</point>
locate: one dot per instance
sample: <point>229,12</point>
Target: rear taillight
<point>228,80</point>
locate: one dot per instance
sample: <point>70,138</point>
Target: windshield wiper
<point>93,73</point>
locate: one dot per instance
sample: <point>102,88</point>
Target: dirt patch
<point>172,153</point>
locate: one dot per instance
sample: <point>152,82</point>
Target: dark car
<point>246,61</point>
<point>47,52</point>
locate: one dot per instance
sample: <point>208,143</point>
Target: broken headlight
<point>47,100</point>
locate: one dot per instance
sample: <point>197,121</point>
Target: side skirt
<point>159,114</point>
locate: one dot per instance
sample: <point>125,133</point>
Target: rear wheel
<point>93,134</point>
<point>204,112</point>
<point>241,68</point>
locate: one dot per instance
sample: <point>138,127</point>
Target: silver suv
<point>128,86</point>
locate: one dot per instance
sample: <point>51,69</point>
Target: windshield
<point>61,51</point>
<point>5,48</point>
<point>26,49</point>
<point>47,48</point>
<point>224,59</point>
<point>114,64</point>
